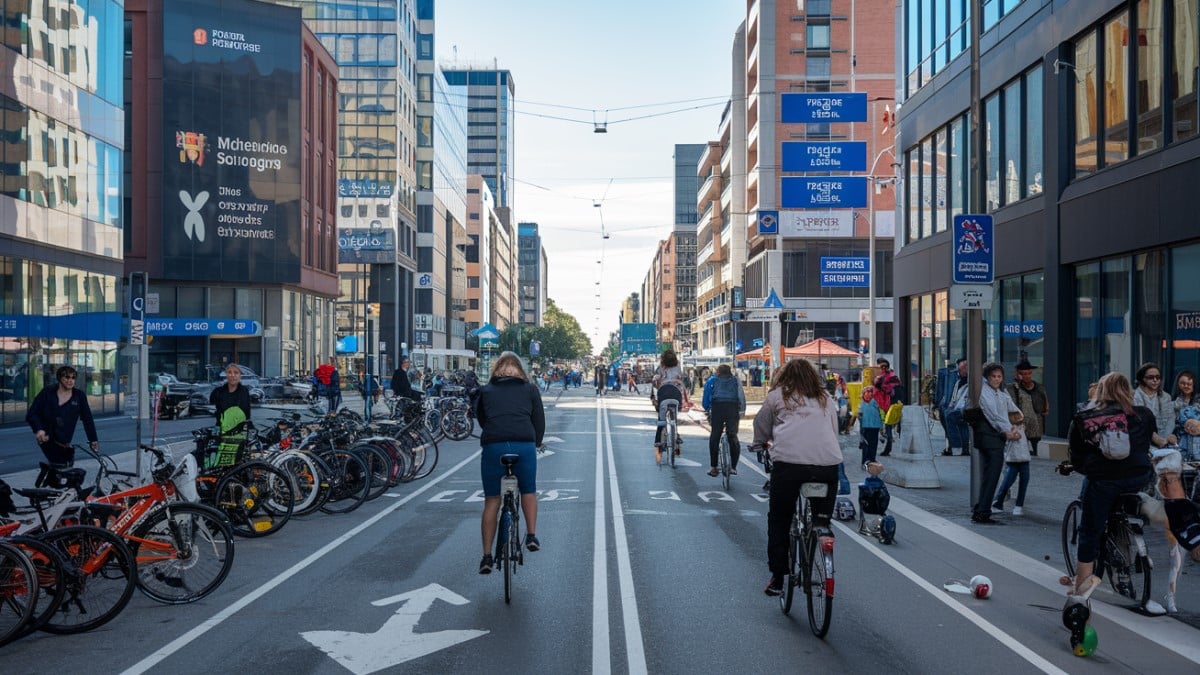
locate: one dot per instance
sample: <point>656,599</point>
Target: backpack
<point>1108,430</point>
<point>894,414</point>
<point>725,390</point>
<point>843,508</point>
<point>325,374</point>
<point>873,497</point>
<point>887,530</point>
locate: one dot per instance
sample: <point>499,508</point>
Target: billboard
<point>231,141</point>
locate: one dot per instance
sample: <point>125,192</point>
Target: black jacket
<point>510,409</point>
<point>223,399</point>
<point>59,421</point>
<point>402,386</point>
<point>1089,461</point>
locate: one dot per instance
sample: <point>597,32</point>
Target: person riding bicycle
<point>798,421</point>
<point>667,383</point>
<point>1111,465</point>
<point>725,401</point>
<point>513,421</point>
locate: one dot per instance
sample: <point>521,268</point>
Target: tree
<point>560,336</point>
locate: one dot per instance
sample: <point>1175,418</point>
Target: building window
<point>957,168</point>
<point>817,67</point>
<point>1183,82</point>
<point>1149,75</point>
<point>991,118</point>
<point>1116,88</point>
<point>1012,143</point>
<point>1085,105</point>
<point>928,168</point>
<point>1033,131</point>
<point>817,36</point>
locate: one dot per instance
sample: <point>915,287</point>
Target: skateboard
<point>1075,615</point>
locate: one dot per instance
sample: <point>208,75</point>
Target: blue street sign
<point>1030,330</point>
<point>844,264</point>
<point>844,280</point>
<point>202,326</point>
<point>346,345</point>
<point>835,156</point>
<point>974,252</point>
<point>535,348</point>
<point>805,108</point>
<point>768,222</point>
<point>100,326</point>
<point>772,301</point>
<point>639,338</point>
<point>757,342</point>
<point>824,192</point>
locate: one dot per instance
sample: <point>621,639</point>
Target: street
<point>643,569</point>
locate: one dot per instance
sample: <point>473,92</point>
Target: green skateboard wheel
<point>1087,646</point>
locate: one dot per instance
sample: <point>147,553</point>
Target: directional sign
<point>823,192</point>
<point>845,272</point>
<point>768,222</point>
<point>807,108</point>
<point>639,338</point>
<point>974,257</point>
<point>772,301</point>
<point>827,156</point>
<point>396,641</point>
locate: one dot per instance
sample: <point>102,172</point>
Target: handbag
<point>894,414</point>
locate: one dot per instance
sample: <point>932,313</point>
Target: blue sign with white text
<point>807,108</point>
<point>833,156</point>
<point>99,326</point>
<point>824,192</point>
<point>202,326</point>
<point>639,338</point>
<point>1030,330</point>
<point>844,264</point>
<point>845,280</point>
<point>974,253</point>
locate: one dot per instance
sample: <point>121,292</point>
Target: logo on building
<point>193,222</point>
<point>192,146</point>
<point>200,36</point>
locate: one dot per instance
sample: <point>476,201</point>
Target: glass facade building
<point>491,121</point>
<point>61,225</point>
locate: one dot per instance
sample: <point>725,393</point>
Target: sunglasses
<point>1154,377</point>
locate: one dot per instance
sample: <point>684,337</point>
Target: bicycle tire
<point>324,484</point>
<point>432,421</point>
<point>96,593</point>
<point>1123,562</point>
<point>305,477</point>
<point>724,460</point>
<point>671,434</point>
<point>349,482</point>
<point>48,564</point>
<point>19,590</point>
<point>428,456</point>
<point>818,579</point>
<point>795,563</point>
<point>257,498</point>
<point>379,468</point>
<point>457,426</point>
<point>1070,535</point>
<point>196,555</point>
<point>502,552</point>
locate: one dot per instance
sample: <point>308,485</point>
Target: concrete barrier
<point>1054,448</point>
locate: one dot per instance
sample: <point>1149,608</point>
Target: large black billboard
<point>231,141</point>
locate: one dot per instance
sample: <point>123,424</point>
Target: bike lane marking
<point>601,659</point>
<point>635,650</point>
<point>220,617</point>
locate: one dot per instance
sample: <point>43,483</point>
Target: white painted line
<point>635,649</point>
<point>218,618</point>
<point>986,626</point>
<point>601,659</point>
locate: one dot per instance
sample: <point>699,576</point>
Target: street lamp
<point>877,183</point>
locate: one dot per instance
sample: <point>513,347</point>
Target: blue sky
<point>598,57</point>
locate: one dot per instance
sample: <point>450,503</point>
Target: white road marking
<point>709,495</point>
<point>601,659</point>
<point>220,617</point>
<point>635,650</point>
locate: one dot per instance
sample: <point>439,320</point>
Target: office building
<point>490,126</point>
<point>491,260</point>
<point>687,182</point>
<point>532,275</point>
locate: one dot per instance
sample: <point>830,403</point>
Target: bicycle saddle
<point>509,460</point>
<point>34,494</point>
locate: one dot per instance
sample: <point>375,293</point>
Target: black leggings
<point>724,417</point>
<point>785,489</point>
<point>667,391</point>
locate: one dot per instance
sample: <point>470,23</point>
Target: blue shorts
<point>491,470</point>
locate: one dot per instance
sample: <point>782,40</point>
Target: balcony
<point>711,186</point>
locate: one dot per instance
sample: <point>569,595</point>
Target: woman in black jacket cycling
<point>510,414</point>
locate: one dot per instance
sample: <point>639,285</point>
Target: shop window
<point>1183,80</point>
<point>1116,88</point>
<point>1086,116</point>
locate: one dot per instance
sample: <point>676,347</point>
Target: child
<point>1016,459</point>
<point>873,502</point>
<point>871,421</point>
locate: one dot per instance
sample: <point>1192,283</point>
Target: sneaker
<point>997,509</point>
<point>1017,511</point>
<point>532,543</point>
<point>774,586</point>
<point>485,565</point>
<point>733,471</point>
<point>713,472</point>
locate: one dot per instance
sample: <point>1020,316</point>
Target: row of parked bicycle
<point>69,562</point>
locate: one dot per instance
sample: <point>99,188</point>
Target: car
<point>216,378</point>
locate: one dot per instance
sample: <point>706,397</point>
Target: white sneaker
<point>1017,511</point>
<point>1154,609</point>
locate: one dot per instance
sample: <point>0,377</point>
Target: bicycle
<point>723,464</point>
<point>669,421</point>
<point>1123,551</point>
<point>508,536</point>
<point>810,562</point>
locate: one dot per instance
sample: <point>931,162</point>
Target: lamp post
<point>876,183</point>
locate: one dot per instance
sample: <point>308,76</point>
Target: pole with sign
<point>138,283</point>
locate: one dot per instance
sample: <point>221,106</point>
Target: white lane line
<point>188,637</point>
<point>1173,635</point>
<point>601,659</point>
<point>635,650</point>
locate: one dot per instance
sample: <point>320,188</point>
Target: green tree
<point>560,335</point>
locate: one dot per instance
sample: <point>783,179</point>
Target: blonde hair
<point>509,364</point>
<point>1114,389</point>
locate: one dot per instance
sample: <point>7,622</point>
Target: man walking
<point>401,384</point>
<point>601,375</point>
<point>1033,402</point>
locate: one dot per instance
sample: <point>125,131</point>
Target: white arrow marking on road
<point>764,498</point>
<point>396,642</point>
<point>655,494</point>
<point>444,495</point>
<point>681,461</point>
<point>476,497</point>
<point>720,496</point>
<point>557,495</point>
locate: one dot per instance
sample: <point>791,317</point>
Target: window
<point>1183,80</point>
<point>1149,75</point>
<point>927,196</point>
<point>1033,131</point>
<point>817,36</point>
<point>1012,143</point>
<point>1116,88</point>
<point>991,118</point>
<point>1085,105</point>
<point>817,67</point>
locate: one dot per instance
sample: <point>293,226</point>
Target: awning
<point>443,352</point>
<point>819,347</point>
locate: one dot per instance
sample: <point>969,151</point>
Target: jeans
<point>1099,496</point>
<point>1014,470</point>
<point>785,489</point>
<point>871,438</point>
<point>991,463</point>
<point>725,417</point>
<point>956,429</point>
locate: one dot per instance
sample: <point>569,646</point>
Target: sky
<point>599,57</point>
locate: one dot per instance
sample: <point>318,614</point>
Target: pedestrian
<point>512,421</point>
<point>600,373</point>
<point>957,434</point>
<point>631,382</point>
<point>1032,401</point>
<point>725,400</point>
<point>1016,461</point>
<point>887,392</point>
<point>798,425</point>
<point>329,384</point>
<point>991,434</point>
<point>1187,415</point>
<point>55,412</point>
<point>402,385</point>
<point>870,421</point>
<point>231,400</point>
<point>1149,394</point>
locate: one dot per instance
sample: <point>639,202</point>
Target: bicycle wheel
<point>48,565</point>
<point>795,563</point>
<point>18,591</point>
<point>257,497</point>
<point>433,422</point>
<point>379,468</point>
<point>425,455</point>
<point>670,437</point>
<point>1128,570</point>
<point>818,583</point>
<point>183,551</point>
<point>457,426</point>
<point>1070,535</point>
<point>324,483</point>
<point>100,576</point>
<point>305,478</point>
<point>723,460</point>
<point>349,482</point>
<point>515,555</point>
<point>502,548</point>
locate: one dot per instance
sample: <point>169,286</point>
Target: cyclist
<point>510,414</point>
<point>55,412</point>
<point>1106,478</point>
<point>667,383</point>
<point>799,422</point>
<point>725,401</point>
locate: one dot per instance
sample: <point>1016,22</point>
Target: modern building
<point>491,261</point>
<point>375,44</point>
<point>490,126</point>
<point>1088,133</point>
<point>532,275</point>
<point>687,182</point>
<point>232,211</point>
<point>818,46</point>
<point>62,185</point>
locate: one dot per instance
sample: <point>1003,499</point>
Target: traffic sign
<point>826,156</point>
<point>772,301</point>
<point>823,192</point>
<point>768,222</point>
<point>971,296</point>
<point>974,253</point>
<point>809,108</point>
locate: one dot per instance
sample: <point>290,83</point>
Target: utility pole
<point>974,317</point>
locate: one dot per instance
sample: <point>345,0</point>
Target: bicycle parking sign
<point>974,250</point>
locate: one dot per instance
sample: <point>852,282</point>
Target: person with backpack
<point>329,384</point>
<point>725,401</point>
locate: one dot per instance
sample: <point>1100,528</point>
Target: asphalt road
<point>643,569</point>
